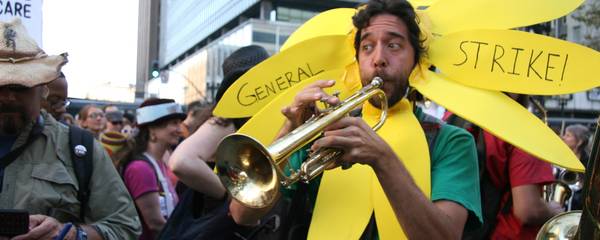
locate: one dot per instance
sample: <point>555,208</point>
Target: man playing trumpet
<point>388,45</point>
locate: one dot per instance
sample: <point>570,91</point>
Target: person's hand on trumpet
<point>304,105</point>
<point>357,140</point>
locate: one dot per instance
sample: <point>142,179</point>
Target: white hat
<point>154,113</point>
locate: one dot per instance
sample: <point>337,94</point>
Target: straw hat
<point>22,62</point>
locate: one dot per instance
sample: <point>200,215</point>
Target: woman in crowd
<point>144,171</point>
<point>576,137</point>
<point>92,119</point>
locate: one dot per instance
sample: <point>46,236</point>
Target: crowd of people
<point>152,175</point>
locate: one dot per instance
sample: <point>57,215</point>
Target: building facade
<point>187,41</point>
<point>582,107</point>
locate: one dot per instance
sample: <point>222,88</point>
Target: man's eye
<point>394,45</point>
<point>367,47</point>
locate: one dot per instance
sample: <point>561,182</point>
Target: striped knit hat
<point>113,141</point>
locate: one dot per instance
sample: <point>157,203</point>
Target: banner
<point>30,12</point>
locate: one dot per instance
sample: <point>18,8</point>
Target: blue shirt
<point>6,143</point>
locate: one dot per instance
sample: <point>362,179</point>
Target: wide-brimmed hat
<point>238,63</point>
<point>22,62</point>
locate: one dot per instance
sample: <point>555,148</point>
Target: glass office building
<point>194,37</point>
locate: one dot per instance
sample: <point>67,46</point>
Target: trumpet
<point>252,172</point>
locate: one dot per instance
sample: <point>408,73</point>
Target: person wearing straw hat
<point>36,170</point>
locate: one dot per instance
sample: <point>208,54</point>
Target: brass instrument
<point>568,182</point>
<point>584,224</point>
<point>252,173</point>
<point>562,189</point>
<point>558,191</point>
<point>573,179</point>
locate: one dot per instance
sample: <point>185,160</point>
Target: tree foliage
<point>589,15</point>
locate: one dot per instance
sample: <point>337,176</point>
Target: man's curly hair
<point>399,8</point>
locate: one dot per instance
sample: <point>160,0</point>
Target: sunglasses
<point>116,122</point>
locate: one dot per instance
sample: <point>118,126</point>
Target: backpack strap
<point>81,144</point>
<point>507,188</point>
<point>491,195</point>
<point>431,126</point>
<point>148,161</point>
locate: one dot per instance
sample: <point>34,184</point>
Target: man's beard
<point>396,94</point>
<point>13,119</point>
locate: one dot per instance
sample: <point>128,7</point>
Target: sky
<point>101,40</point>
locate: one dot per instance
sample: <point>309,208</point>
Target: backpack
<point>81,145</point>
<point>491,195</point>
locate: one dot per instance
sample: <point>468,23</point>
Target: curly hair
<point>399,8</point>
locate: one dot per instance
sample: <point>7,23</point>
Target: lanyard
<point>163,182</point>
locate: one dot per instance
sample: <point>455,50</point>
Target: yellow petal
<point>343,207</point>
<point>265,124</point>
<point>343,212</point>
<point>458,15</point>
<point>499,115</point>
<point>405,136</point>
<point>332,22</point>
<point>516,61</point>
<point>253,90</point>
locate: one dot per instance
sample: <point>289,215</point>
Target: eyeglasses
<point>59,103</point>
<point>117,122</point>
<point>96,114</point>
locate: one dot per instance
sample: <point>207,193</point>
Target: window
<point>577,34</point>
<point>293,15</point>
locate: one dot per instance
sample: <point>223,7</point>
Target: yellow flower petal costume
<point>477,60</point>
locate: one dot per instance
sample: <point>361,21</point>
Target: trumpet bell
<point>246,170</point>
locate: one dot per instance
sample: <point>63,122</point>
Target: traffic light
<point>155,70</point>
